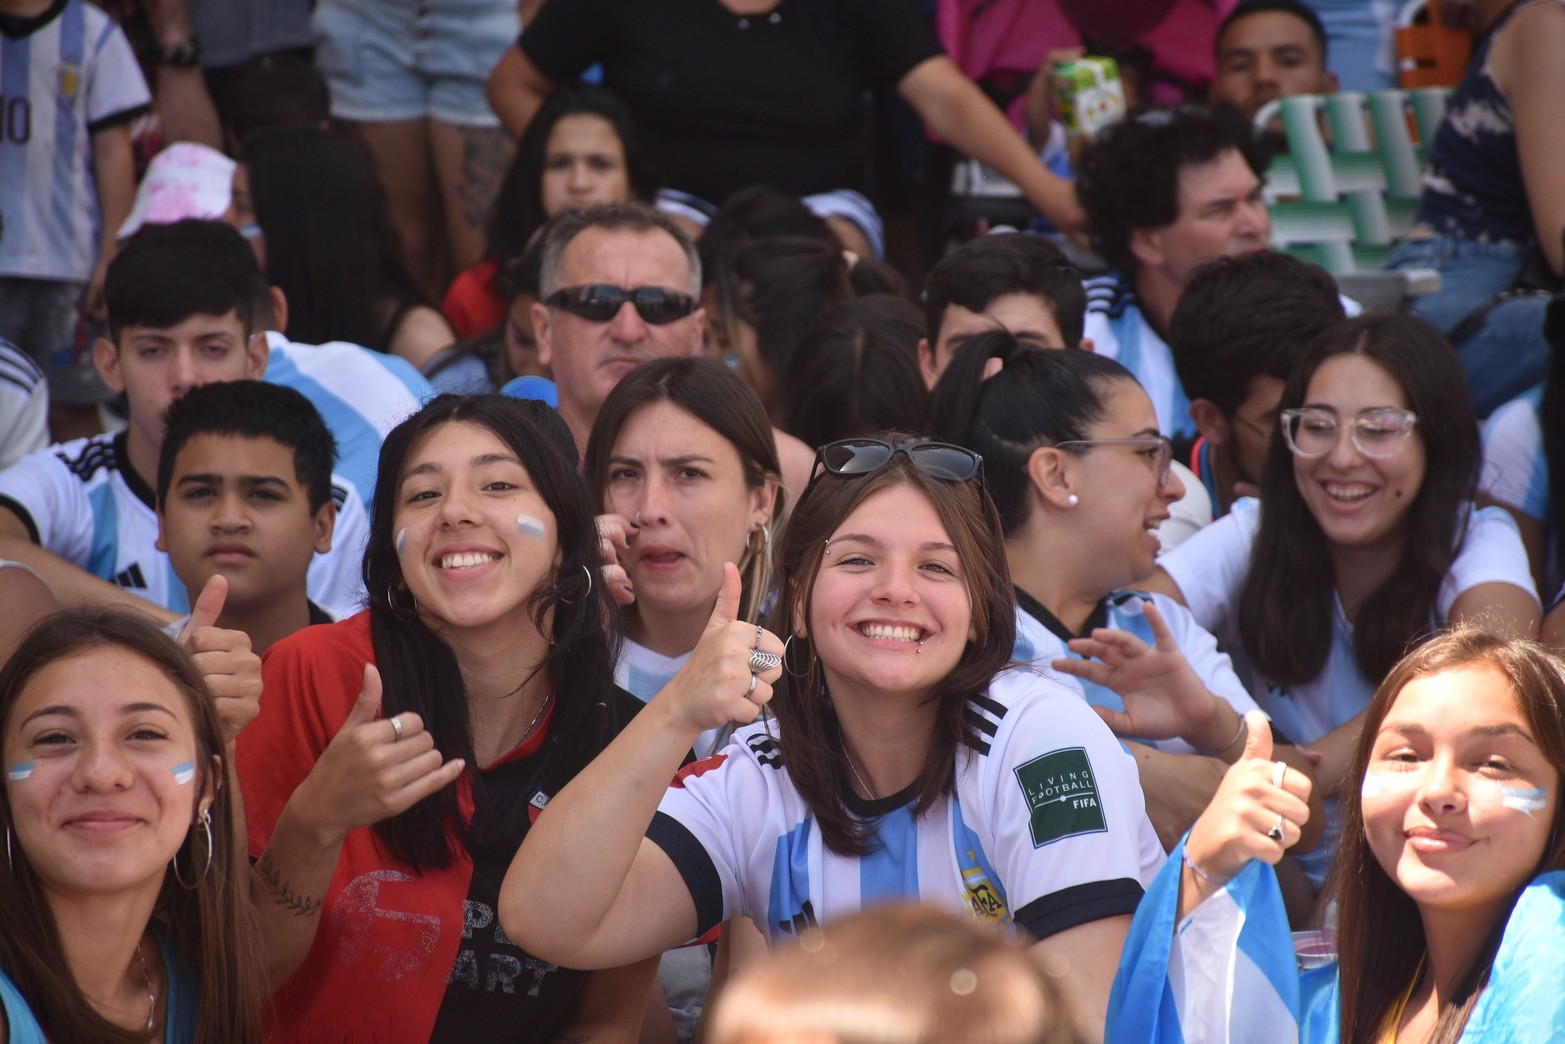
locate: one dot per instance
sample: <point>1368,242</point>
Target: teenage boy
<point>1239,326</point>
<point>1014,280</point>
<point>82,514</point>
<point>244,491</point>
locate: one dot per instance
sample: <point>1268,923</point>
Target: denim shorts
<point>389,60</point>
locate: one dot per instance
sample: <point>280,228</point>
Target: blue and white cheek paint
<point>20,771</point>
<point>1530,800</point>
<point>527,525</point>
<point>1377,783</point>
<point>184,772</point>
<point>402,541</point>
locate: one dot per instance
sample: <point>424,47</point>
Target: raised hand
<point>1163,695</point>
<point>717,686</point>
<point>1257,812</point>
<point>615,533</point>
<point>374,767</point>
<point>230,667</point>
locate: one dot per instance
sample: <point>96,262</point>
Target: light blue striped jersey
<point>1047,828</point>
<point>64,75</point>
<point>1120,331</point>
<point>360,394</point>
<point>83,501</point>
<point>24,405</point>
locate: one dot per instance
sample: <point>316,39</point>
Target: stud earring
<point>1072,500</point>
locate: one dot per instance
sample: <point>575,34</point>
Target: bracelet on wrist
<point>1215,751</point>
<point>1184,853</point>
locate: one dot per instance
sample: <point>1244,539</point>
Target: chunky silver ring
<point>1275,833</point>
<point>759,630</point>
<point>761,661</point>
<point>396,727</point>
<point>1279,770</point>
<point>751,690</point>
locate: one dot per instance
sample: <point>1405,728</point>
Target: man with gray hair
<point>619,286</point>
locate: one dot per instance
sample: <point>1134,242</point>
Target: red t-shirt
<point>471,306</point>
<point>398,956</point>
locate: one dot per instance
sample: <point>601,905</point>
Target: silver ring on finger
<point>1279,770</point>
<point>751,690</point>
<point>1275,833</point>
<point>761,661</point>
<point>759,630</point>
<point>396,727</point>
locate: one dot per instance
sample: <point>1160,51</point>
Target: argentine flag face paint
<point>184,772</point>
<point>528,525</point>
<point>1530,800</point>
<point>20,771</point>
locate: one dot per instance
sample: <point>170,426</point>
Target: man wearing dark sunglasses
<point>619,287</point>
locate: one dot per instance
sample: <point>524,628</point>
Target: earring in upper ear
<point>1072,500</point>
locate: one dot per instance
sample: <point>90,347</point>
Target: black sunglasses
<point>941,460</point>
<point>601,302</point>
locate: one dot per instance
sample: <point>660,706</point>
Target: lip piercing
<point>637,522</point>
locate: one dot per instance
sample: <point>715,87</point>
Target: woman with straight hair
<point>905,758</point>
<point>401,754</point>
<point>1364,540</point>
<point>124,901</point>
<point>1450,878</point>
<point>1082,480</point>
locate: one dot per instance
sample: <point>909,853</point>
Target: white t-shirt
<point>1515,471</point>
<point>643,673</point>
<point>1047,828</point>
<point>1041,638</point>
<point>82,501</point>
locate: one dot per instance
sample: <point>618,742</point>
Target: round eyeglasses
<point>1313,431</point>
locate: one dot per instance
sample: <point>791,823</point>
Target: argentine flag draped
<point>1228,972</point>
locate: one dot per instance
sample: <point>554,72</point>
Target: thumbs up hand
<point>223,656</point>
<point>1257,812</point>
<point>720,684</point>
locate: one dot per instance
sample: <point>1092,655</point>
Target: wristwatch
<point>185,55</point>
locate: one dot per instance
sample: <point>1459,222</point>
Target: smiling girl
<point>1364,538</point>
<point>121,895</point>
<point>905,759</point>
<point>1449,874</point>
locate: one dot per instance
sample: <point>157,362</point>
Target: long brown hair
<point>1380,937</point>
<point>809,735</point>
<point>210,926</point>
<point>714,395</point>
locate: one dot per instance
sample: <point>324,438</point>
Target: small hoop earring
<point>206,828</point>
<point>588,570</point>
<point>8,864</point>
<point>1072,500</point>
<point>766,539</point>
<point>787,667</point>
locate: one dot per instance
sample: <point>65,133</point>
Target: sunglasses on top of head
<point>601,302</point>
<point>942,460</point>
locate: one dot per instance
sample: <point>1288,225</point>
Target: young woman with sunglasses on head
<point>401,754</point>
<point>124,902</point>
<point>1081,477</point>
<point>1364,538</point>
<point>907,758</point>
<point>1448,879</point>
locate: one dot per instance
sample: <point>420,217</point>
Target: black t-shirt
<point>724,100</point>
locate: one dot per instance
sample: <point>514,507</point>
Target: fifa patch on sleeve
<point>1062,796</point>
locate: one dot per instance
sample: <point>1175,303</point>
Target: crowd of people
<point>492,556</point>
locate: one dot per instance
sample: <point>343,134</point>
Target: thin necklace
<point>855,769</point>
<point>548,697</point>
<point>152,995</point>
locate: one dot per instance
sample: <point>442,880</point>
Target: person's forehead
<point>1017,312</point>
<point>1265,30</point>
<point>1225,176</point>
<point>197,324</point>
<point>232,456</point>
<point>625,257</point>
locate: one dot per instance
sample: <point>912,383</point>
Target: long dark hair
<point>419,671</point>
<point>1380,936</point>
<point>808,732</point>
<point>518,206</point>
<point>1040,397</point>
<point>210,925</point>
<point>714,395</point>
<point>1289,638</point>
<point>330,245</point>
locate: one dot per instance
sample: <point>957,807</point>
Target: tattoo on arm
<point>282,894</point>
<point>486,153</point>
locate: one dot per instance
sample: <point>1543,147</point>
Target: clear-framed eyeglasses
<point>1313,431</point>
<point>1157,448</point>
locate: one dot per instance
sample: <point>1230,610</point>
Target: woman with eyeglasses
<point>906,758</point>
<point>401,754</point>
<point>1081,477</point>
<point>1363,542</point>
